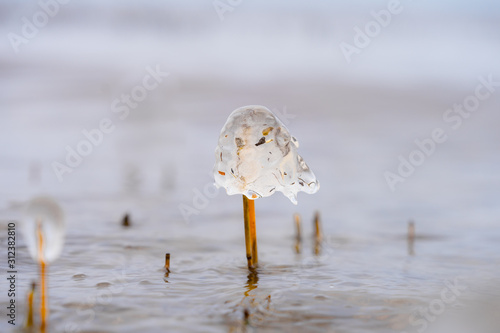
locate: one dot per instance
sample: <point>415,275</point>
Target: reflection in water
<point>247,305</point>
<point>252,281</point>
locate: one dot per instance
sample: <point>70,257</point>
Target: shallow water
<point>111,278</point>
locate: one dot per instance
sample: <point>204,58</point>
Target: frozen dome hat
<point>256,156</point>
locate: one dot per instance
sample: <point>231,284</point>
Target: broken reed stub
<point>126,220</point>
<point>256,156</point>
<point>30,313</point>
<point>167,262</point>
<point>298,227</point>
<point>317,234</point>
<point>317,227</point>
<point>298,233</point>
<point>246,316</point>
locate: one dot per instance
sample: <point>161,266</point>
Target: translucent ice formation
<point>256,156</point>
<point>43,229</point>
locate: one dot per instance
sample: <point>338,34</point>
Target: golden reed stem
<point>298,234</point>
<point>43,288</point>
<point>29,316</point>
<point>318,236</point>
<point>167,262</point>
<point>250,232</point>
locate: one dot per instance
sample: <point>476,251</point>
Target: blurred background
<point>64,72</point>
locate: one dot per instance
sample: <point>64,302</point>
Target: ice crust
<point>256,156</point>
<point>46,212</point>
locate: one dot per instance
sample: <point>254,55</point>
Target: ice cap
<point>45,212</point>
<point>256,156</point>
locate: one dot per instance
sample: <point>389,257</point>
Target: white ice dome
<point>45,215</point>
<point>256,156</point>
